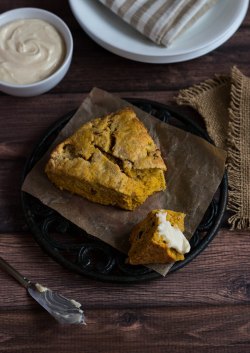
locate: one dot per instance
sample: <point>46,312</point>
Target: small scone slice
<point>110,160</point>
<point>158,239</point>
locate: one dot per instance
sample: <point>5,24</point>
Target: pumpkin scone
<point>110,160</point>
<point>158,239</point>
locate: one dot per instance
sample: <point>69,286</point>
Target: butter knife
<point>65,311</point>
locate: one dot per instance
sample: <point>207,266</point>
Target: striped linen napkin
<point>160,20</point>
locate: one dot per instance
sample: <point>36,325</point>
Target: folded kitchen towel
<point>160,20</point>
<point>224,103</point>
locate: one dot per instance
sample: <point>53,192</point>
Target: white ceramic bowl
<point>34,89</point>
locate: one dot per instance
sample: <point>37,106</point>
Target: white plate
<point>109,31</point>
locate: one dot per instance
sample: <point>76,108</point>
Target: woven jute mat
<point>224,104</point>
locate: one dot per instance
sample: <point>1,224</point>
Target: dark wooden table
<point>203,307</point>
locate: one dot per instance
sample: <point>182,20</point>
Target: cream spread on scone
<point>172,235</point>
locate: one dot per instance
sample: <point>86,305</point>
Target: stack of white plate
<point>112,33</point>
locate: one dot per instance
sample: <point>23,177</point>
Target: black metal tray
<point>80,252</point>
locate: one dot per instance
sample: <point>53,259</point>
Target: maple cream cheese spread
<point>41,288</point>
<point>30,51</point>
<point>172,235</point>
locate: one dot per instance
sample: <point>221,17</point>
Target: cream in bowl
<point>30,51</point>
<point>35,51</point>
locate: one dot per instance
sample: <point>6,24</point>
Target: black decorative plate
<point>80,252</point>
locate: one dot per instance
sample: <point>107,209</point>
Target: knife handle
<point>14,273</point>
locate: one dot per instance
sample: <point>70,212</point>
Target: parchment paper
<point>194,171</point>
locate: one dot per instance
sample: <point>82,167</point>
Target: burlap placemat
<point>224,103</point>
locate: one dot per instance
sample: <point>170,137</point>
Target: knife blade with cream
<point>64,310</point>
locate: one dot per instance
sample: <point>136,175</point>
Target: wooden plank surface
<point>175,329</point>
<point>218,276</point>
<point>204,307</point>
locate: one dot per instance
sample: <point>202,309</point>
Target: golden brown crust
<point>110,160</point>
<point>147,246</point>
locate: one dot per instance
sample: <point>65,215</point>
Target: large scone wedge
<point>158,239</point>
<point>110,160</point>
